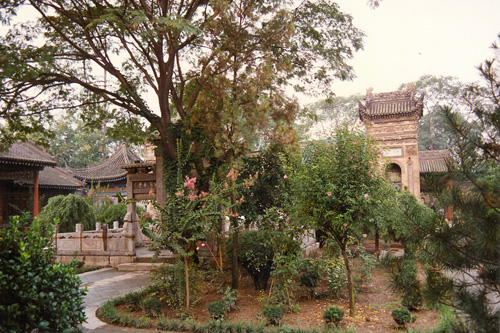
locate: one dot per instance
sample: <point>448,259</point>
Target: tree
<point>322,117</point>
<point>333,186</point>
<point>468,245</point>
<point>434,132</point>
<point>171,49</point>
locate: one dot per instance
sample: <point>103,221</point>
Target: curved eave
<point>26,162</point>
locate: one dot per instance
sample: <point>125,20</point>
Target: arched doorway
<point>393,174</point>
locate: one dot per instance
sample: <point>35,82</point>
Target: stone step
<point>138,266</point>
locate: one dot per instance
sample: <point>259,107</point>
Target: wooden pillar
<point>36,196</point>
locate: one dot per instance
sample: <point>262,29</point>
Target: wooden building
<point>28,178</point>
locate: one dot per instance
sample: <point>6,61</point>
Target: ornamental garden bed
<point>374,304</point>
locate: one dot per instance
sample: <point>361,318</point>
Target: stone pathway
<point>103,285</point>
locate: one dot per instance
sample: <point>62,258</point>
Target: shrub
<point>69,210</point>
<point>273,313</point>
<point>169,284</point>
<point>217,310</point>
<point>336,276</point>
<point>34,292</point>
<point>114,213</point>
<point>310,271</point>
<point>256,250</point>
<point>401,316</point>
<point>151,306</point>
<point>133,300</point>
<point>333,315</point>
<point>404,280</point>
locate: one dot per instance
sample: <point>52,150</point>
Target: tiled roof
<point>391,105</point>
<point>58,178</point>
<point>434,160</point>
<point>108,170</point>
<point>27,153</point>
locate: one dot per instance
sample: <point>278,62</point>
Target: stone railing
<point>100,247</point>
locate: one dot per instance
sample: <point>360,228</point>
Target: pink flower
<point>232,174</point>
<point>192,197</point>
<point>354,143</point>
<point>150,192</point>
<point>202,244</point>
<point>180,193</point>
<point>203,194</point>
<point>366,195</point>
<point>197,248</point>
<point>371,123</point>
<point>374,260</point>
<point>345,224</point>
<point>285,176</point>
<point>350,156</point>
<point>329,194</point>
<point>189,183</point>
<point>288,218</point>
<point>234,214</point>
<point>382,151</point>
<point>360,122</point>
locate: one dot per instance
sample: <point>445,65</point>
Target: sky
<point>406,39</point>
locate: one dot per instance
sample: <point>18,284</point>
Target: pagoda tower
<point>391,119</point>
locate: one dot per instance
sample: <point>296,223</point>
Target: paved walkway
<point>103,285</point>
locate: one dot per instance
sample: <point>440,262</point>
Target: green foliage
<point>35,293</point>
<point>437,287</point>
<point>169,284</point>
<point>68,210</point>
<point>257,250</point>
<point>217,310</point>
<point>335,274</point>
<point>268,190</point>
<point>467,243</point>
<point>401,316</point>
<point>114,213</point>
<point>333,315</point>
<point>404,280</point>
<point>151,306</point>
<point>273,313</point>
<point>133,300</point>
<point>310,273</point>
<point>229,299</point>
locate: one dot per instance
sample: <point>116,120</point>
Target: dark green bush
<point>333,315</point>
<point>310,271</point>
<point>114,213</point>
<point>256,250</point>
<point>273,313</point>
<point>404,280</point>
<point>401,316</point>
<point>133,300</point>
<point>34,292</point>
<point>217,310</point>
<point>69,210</point>
<point>151,306</point>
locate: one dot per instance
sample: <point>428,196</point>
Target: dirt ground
<point>374,303</point>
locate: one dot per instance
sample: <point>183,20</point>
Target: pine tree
<point>468,246</point>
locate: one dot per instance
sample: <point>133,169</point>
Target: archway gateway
<point>392,120</point>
